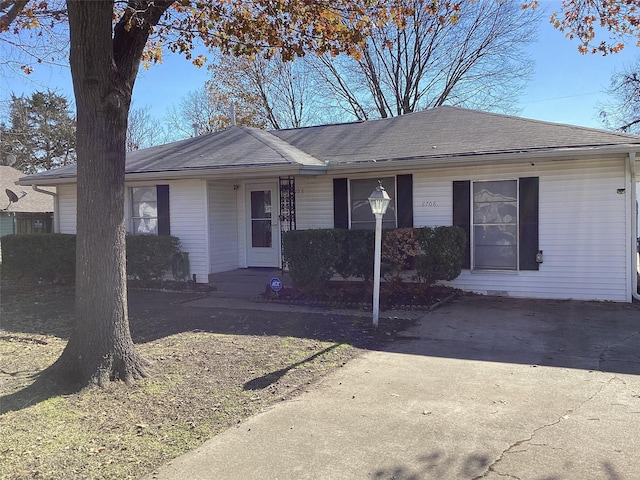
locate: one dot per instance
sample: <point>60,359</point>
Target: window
<point>351,205</point>
<point>145,210</point>
<point>261,235</point>
<point>500,219</point>
<point>150,210</point>
<point>495,225</point>
<point>361,216</point>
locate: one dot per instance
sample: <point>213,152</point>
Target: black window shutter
<point>404,202</point>
<point>162,194</point>
<point>462,214</point>
<point>340,203</point>
<point>528,222</point>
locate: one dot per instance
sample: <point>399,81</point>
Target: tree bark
<point>104,64</point>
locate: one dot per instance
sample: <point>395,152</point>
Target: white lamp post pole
<point>379,201</point>
<point>376,269</point>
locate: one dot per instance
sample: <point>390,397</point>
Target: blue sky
<point>566,86</point>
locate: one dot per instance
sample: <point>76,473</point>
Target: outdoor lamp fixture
<point>379,201</point>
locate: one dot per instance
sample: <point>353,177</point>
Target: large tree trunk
<point>100,347</point>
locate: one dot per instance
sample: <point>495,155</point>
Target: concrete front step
<point>245,283</point>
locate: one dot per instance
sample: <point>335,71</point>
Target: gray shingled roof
<point>238,146</point>
<point>438,133</point>
<point>442,132</point>
<point>33,201</point>
<point>235,147</point>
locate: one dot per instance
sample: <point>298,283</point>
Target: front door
<point>262,226</point>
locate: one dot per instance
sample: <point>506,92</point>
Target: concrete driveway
<point>487,388</point>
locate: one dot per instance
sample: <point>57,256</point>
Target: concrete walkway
<point>483,388</point>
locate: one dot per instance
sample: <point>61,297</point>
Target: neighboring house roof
<point>428,135</point>
<point>33,201</point>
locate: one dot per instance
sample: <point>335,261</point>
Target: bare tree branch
<point>465,53</point>
<point>623,113</point>
<point>15,7</point>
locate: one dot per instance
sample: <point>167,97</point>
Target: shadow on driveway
<point>573,334</point>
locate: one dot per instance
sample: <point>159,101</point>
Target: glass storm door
<point>262,229</point>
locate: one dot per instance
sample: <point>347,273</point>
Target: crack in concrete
<point>634,393</point>
<point>602,359</point>
<point>513,446</point>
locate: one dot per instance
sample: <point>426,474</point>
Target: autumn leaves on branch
<point>295,27</point>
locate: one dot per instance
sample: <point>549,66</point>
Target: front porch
<point>246,283</point>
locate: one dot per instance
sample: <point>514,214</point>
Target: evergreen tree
<point>41,133</point>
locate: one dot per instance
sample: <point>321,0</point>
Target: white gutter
<point>634,225</point>
<point>225,172</point>
<point>56,206</point>
<point>199,173</point>
<point>480,158</point>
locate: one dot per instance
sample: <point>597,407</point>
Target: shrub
<point>355,253</point>
<point>441,253</point>
<point>149,256</point>
<point>314,256</point>
<point>50,256</point>
<point>311,255</point>
<point>399,248</point>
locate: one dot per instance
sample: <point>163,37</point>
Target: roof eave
<point>190,173</point>
<point>396,164</point>
<point>46,181</point>
<point>488,158</point>
<point>229,172</point>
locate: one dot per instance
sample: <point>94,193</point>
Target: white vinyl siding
<point>582,228</point>
<point>188,208</point>
<point>433,198</point>
<point>223,227</point>
<point>67,204</point>
<point>314,202</point>
<point>188,217</point>
<point>583,224</point>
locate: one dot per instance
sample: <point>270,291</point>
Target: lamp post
<point>379,201</point>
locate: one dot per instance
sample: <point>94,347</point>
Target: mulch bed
<point>358,295</point>
<point>350,295</point>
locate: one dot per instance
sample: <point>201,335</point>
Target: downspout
<point>56,209</point>
<point>634,226</point>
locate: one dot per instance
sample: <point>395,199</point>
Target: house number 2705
<point>429,204</point>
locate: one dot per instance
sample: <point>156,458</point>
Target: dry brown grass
<point>210,369</point>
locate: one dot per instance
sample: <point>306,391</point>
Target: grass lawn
<point>210,369</point>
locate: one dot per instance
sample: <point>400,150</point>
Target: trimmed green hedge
<point>149,256</point>
<point>441,253</point>
<point>47,256</point>
<point>311,255</point>
<point>355,253</point>
<point>52,256</point>
<point>399,248</point>
<point>314,256</point>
